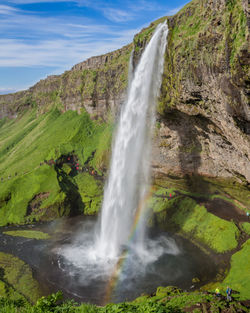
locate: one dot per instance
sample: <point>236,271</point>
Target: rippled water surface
<point>68,262</point>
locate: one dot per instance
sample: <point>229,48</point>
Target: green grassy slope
<point>28,142</point>
<point>239,274</point>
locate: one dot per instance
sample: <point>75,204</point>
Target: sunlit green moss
<point>22,190</point>
<point>91,193</point>
<point>34,234</point>
<point>25,174</point>
<point>238,277</point>
<point>246,227</point>
<point>184,215</point>
<point>19,277</point>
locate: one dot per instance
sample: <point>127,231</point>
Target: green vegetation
<point>174,297</point>
<point>103,151</point>
<point>246,227</point>
<point>18,192</point>
<point>201,37</point>
<point>16,281</point>
<point>239,277</point>
<point>91,193</point>
<point>31,188</point>
<point>182,214</point>
<point>239,193</point>
<point>37,182</point>
<point>236,31</point>
<point>107,79</point>
<point>209,188</point>
<point>142,38</point>
<point>166,300</point>
<point>34,234</point>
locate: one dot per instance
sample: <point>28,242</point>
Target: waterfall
<point>129,176</point>
<point>130,71</point>
<point>114,258</point>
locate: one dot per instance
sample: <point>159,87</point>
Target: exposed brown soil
<point>224,209</point>
<point>35,203</point>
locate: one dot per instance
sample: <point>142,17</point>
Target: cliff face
<point>203,112</point>
<point>97,84</point>
<point>204,116</point>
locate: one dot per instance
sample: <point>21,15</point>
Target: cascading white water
<point>95,253</point>
<point>129,176</point>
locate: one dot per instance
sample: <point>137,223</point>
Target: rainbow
<point>114,279</point>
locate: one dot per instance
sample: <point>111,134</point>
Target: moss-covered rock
<point>182,214</point>
<point>195,42</point>
<point>167,291</point>
<point>17,279</point>
<point>33,234</point>
<point>91,192</point>
<point>246,227</point>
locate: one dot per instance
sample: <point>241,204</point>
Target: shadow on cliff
<point>73,198</point>
<point>190,130</point>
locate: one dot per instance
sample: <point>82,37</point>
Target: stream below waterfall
<point>62,263</point>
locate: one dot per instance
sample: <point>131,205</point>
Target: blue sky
<point>40,38</point>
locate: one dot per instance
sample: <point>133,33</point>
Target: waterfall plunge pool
<point>68,262</point>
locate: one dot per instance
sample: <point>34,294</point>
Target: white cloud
<point>38,1</point>
<point>117,15</point>
<point>48,41</point>
<point>4,90</point>
<point>143,5</point>
<point>153,6</point>
<point>174,11</point>
<point>62,53</point>
<point>31,40</point>
<point>6,10</point>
